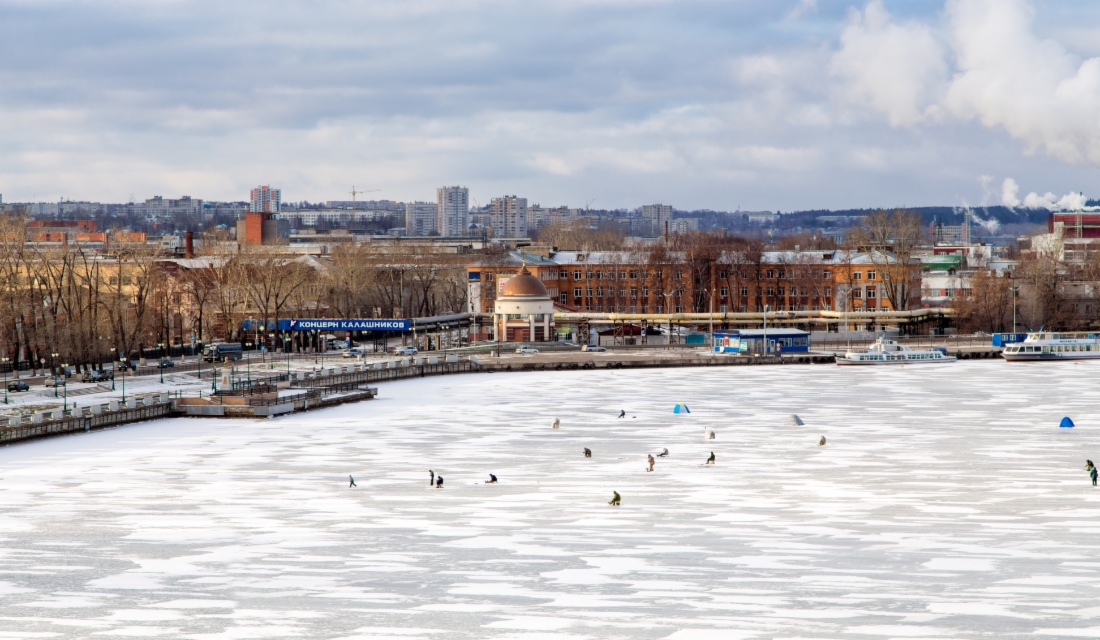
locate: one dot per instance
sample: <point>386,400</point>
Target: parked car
<point>18,385</point>
<point>339,344</point>
<point>353,352</point>
<point>55,381</point>
<point>123,365</point>
<point>593,347</point>
<point>527,350</point>
<point>97,376</point>
<point>166,363</point>
<point>406,351</point>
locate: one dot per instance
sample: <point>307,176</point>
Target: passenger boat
<point>1045,345</point>
<point>884,352</point>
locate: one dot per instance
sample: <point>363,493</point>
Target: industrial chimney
<point>189,245</point>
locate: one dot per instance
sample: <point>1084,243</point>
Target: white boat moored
<point>885,352</point>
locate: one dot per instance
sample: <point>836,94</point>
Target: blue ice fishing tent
<point>681,408</point>
<point>1066,423</point>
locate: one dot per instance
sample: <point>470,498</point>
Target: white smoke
<point>1010,197</point>
<point>991,225</point>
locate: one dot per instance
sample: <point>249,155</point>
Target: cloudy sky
<point>783,104</point>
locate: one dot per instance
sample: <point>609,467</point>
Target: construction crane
<point>355,193</point>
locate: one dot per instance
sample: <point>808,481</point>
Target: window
<point>826,274</point>
<point>769,274</point>
<point>782,274</point>
<point>577,292</point>
<point>870,275</point>
<point>564,299</point>
<point>599,275</point>
<point>857,276</point>
<point>794,291</point>
<point>724,308</point>
<point>563,275</point>
<point>724,291</point>
<point>723,274</point>
<point>857,293</point>
<point>871,292</point>
<point>587,275</point>
<point>622,292</point>
<point>828,291</point>
<point>588,292</point>
<point>633,292</point>
<point>645,292</point>
<point>744,291</point>
<point>771,291</point>
<point>679,275</point>
<point>599,292</point>
<point>576,275</point>
<point>622,275</point>
<point>633,275</point>
<point>659,273</point>
<point>780,292</point>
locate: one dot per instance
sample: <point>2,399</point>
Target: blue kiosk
<point>749,341</point>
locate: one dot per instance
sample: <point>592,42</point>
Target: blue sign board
<point>344,325</point>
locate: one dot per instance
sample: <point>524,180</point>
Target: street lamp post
<point>65,382</point>
<point>1013,307</point>
<point>160,363</point>
<point>765,330</point>
<point>121,359</point>
<point>248,367</point>
<point>4,363</point>
<point>53,371</point>
<point>116,368</point>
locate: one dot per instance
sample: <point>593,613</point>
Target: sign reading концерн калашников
<point>344,325</point>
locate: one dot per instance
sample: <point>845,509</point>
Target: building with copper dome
<point>524,311</point>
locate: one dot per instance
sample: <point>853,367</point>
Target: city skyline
<point>793,105</point>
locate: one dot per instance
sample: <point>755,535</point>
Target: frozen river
<point>946,504</point>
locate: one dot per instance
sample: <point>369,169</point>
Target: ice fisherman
<point>663,453</point>
<point>622,413</point>
<point>492,479</point>
<point>821,442</point>
<point>615,498</point>
<point>557,423</point>
<point>649,459</point>
<point>1091,468</point>
<point>351,482</point>
<point>439,482</point>
<point>587,452</point>
<point>710,460</point>
<point>431,482</point>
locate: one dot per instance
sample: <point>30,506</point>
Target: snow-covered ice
<point>946,504</point>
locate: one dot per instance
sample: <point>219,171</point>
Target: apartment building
<point>421,218</point>
<point>508,217</point>
<point>264,199</point>
<point>452,211</point>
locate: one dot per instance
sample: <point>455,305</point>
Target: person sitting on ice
<point>587,452</point>
<point>1091,468</point>
<point>663,453</point>
<point>821,442</point>
<point>557,423</point>
<point>492,479</point>
<point>622,413</point>
<point>615,499</point>
<point>710,460</point>
<point>439,482</point>
<point>649,459</point>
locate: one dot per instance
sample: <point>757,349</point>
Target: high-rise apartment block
<point>508,217</point>
<point>421,218</point>
<point>655,220</point>
<point>453,210</point>
<point>264,199</point>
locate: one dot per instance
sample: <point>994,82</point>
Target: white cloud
<point>897,69</point>
<point>1033,88</point>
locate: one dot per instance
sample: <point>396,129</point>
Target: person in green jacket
<point>615,499</point>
